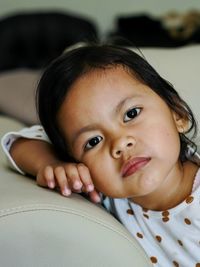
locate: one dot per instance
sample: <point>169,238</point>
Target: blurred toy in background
<point>182,26</point>
<point>170,30</point>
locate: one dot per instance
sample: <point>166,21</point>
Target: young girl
<point>121,128</point>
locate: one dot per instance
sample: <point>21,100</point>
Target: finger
<point>45,177</point>
<point>73,177</point>
<point>85,177</point>
<point>95,196</point>
<point>49,176</point>
<point>62,180</point>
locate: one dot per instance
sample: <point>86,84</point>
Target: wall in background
<point>103,12</point>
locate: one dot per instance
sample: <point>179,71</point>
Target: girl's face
<point>123,132</point>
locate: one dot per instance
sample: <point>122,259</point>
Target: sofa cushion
<point>17,95</point>
<point>180,66</point>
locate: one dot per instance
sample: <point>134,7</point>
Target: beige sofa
<point>39,227</point>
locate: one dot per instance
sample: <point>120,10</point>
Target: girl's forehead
<point>110,72</point>
<point>106,80</point>
<point>103,88</point>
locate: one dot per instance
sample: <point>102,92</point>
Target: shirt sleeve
<point>108,204</point>
<point>34,132</point>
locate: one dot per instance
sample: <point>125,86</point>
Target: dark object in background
<point>146,31</point>
<point>31,40</point>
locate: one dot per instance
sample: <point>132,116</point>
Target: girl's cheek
<point>96,169</point>
<point>102,169</point>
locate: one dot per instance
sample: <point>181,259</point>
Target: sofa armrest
<point>39,227</point>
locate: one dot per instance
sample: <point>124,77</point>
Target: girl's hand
<point>68,177</point>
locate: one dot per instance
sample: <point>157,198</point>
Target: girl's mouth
<point>134,165</point>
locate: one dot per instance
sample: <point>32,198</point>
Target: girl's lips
<point>134,165</point>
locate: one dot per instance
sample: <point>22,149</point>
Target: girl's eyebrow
<point>87,128</point>
<point>93,127</point>
<point>123,102</point>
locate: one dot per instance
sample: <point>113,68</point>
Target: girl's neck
<point>170,195</point>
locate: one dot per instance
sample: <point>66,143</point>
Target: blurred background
<point>35,32</point>
<point>103,12</point>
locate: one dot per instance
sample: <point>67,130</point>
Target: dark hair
<point>65,70</point>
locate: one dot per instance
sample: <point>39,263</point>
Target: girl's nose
<point>122,146</point>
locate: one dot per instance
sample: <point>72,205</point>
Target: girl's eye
<point>131,114</point>
<point>93,142</point>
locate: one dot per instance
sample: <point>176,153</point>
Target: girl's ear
<point>182,124</point>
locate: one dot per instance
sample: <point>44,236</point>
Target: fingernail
<point>66,192</point>
<point>90,188</point>
<point>51,184</point>
<point>97,199</point>
<point>77,185</point>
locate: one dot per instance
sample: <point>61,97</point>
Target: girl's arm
<point>31,155</point>
<point>37,158</point>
